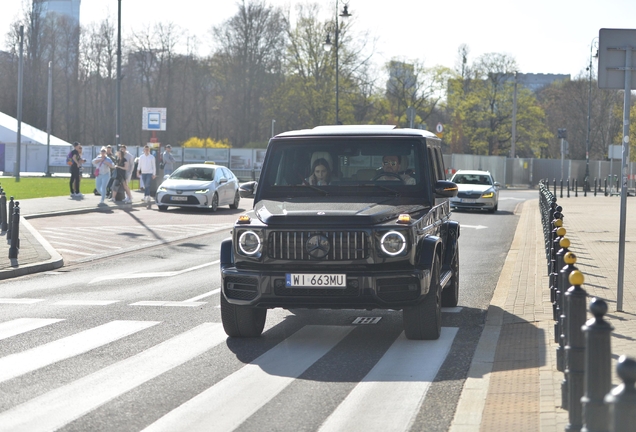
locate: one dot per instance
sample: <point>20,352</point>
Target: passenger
<point>320,173</point>
<point>392,166</point>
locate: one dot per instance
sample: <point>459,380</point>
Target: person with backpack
<point>75,162</point>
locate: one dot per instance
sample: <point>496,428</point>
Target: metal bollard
<point>598,369</point>
<point>568,187</point>
<point>554,193</point>
<point>3,212</point>
<point>622,399</point>
<point>575,313</point>
<point>576,188</point>
<point>15,232</point>
<point>561,196</point>
<point>560,330</point>
<point>595,186</point>
<point>605,187</point>
<point>10,215</point>
<point>556,266</point>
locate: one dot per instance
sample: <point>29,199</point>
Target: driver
<point>392,166</point>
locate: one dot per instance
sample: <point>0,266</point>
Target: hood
<point>186,184</point>
<point>302,211</point>
<point>473,188</point>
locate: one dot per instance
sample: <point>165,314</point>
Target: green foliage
<point>42,187</point>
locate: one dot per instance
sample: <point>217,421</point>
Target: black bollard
<point>605,187</point>
<point>598,369</point>
<point>576,188</point>
<point>561,195</point>
<point>560,330</point>
<point>554,187</point>
<point>568,187</point>
<point>3,212</point>
<point>622,399</point>
<point>595,186</point>
<point>10,215</point>
<point>557,264</point>
<point>15,231</point>
<point>575,313</point>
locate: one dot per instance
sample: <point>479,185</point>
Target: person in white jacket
<point>147,170</point>
<point>102,164</point>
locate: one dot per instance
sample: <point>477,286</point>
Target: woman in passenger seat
<point>320,173</point>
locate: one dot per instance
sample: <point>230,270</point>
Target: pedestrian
<point>102,164</point>
<point>130,158</point>
<point>113,170</point>
<point>120,181</point>
<point>147,171</point>
<point>168,160</point>
<point>74,169</point>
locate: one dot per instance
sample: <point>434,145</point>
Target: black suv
<point>350,217</point>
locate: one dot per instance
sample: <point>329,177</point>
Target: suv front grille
<point>343,245</point>
<point>474,195</point>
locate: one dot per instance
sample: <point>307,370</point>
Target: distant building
<point>536,82</point>
<point>402,78</point>
<point>67,8</point>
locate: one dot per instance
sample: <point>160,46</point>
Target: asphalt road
<point>128,337</point>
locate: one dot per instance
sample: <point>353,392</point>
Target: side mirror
<point>445,189</point>
<point>497,185</point>
<point>247,190</point>
<point>222,180</point>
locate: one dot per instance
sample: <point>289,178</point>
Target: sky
<point>543,36</point>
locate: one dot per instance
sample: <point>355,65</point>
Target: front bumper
<point>183,200</point>
<point>364,290</point>
<point>479,203</point>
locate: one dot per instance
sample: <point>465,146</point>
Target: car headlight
<point>488,194</point>
<point>162,189</point>
<point>202,191</point>
<point>393,243</point>
<point>249,243</point>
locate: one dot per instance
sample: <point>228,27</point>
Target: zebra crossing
<point>119,239</point>
<point>387,398</point>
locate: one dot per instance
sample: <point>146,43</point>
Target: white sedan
<point>199,185</point>
<point>475,190</point>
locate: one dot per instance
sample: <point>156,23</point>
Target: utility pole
<point>118,97</point>
<point>514,119</point>
<point>20,73</point>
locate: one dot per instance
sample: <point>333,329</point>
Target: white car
<point>204,185</point>
<point>475,190</point>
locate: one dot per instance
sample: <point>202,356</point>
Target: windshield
<point>333,164</point>
<point>193,173</point>
<point>474,179</point>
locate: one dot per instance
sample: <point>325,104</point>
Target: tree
<point>246,67</point>
<point>481,111</point>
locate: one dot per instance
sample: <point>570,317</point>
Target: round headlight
<point>249,243</point>
<point>393,243</point>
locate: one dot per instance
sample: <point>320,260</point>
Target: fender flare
<point>452,243</point>
<point>227,253</point>
<point>426,248</point>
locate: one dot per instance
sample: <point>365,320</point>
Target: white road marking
<point>478,227</point>
<point>389,397</point>
<point>168,303</point>
<point>27,361</point>
<point>204,295</point>
<point>23,325</point>
<point>19,301</point>
<point>151,274</point>
<point>61,406</point>
<point>73,251</point>
<point>225,406</point>
<point>85,302</point>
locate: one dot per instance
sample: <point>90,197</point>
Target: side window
<point>441,175</point>
<point>432,164</point>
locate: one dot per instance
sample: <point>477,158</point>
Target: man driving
<point>392,166</point>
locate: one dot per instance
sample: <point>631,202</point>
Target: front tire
<point>242,321</point>
<point>162,208</point>
<point>424,321</point>
<point>215,202</point>
<point>450,294</point>
<point>237,200</point>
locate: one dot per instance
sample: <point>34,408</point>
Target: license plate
<point>179,198</point>
<point>468,201</point>
<point>316,280</point>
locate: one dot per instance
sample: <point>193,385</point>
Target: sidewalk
<point>35,254</point>
<point>513,383</point>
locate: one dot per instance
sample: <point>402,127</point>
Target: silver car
<point>476,190</point>
<point>202,185</point>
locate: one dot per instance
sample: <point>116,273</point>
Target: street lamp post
<point>586,184</point>
<point>345,14</point>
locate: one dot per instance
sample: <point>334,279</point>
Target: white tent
<point>30,135</point>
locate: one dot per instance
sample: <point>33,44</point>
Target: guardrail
<point>584,348</point>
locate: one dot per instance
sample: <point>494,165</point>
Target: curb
<point>470,407</point>
<point>54,262</point>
